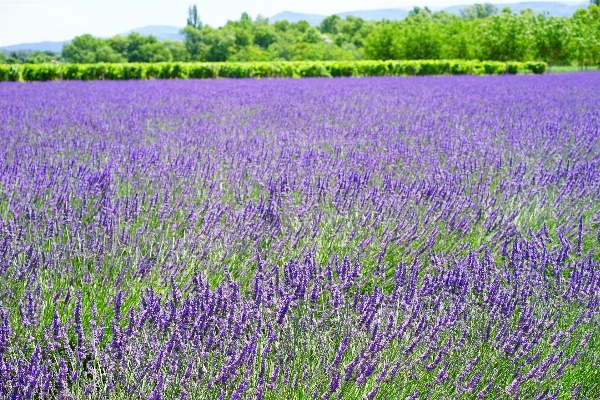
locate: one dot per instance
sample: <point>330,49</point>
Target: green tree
<point>505,37</point>
<point>177,49</point>
<point>425,11</point>
<point>243,37</point>
<point>331,24</point>
<point>246,18</point>
<point>220,44</point>
<point>194,42</point>
<point>552,38</point>
<point>311,35</point>
<point>585,44</point>
<point>194,38</point>
<point>264,35</point>
<point>193,19</point>
<point>39,57</point>
<point>300,26</point>
<point>151,52</point>
<point>380,43</point>
<point>137,48</point>
<point>28,57</point>
<point>457,40</point>
<point>281,26</point>
<point>251,53</point>
<point>88,49</point>
<point>478,11</point>
<point>420,39</point>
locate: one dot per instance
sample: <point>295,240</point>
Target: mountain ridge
<point>162,32</point>
<point>552,8</point>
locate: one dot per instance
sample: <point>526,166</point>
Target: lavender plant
<point>371,238</point>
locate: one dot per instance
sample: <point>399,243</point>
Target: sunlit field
<point>370,238</point>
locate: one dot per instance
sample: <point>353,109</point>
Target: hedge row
<point>277,69</point>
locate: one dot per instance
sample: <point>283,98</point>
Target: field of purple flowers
<point>373,238</point>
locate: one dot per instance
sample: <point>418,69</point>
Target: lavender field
<point>372,238</point>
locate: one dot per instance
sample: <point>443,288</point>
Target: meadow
<point>347,238</point>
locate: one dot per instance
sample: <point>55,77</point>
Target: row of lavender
<point>370,238</point>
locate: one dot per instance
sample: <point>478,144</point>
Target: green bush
<point>373,68</point>
<point>114,72</point>
<point>39,72</point>
<point>261,69</point>
<point>537,67</point>
<point>409,68</point>
<point>513,67</point>
<point>92,72</point>
<point>493,67</point>
<point>431,67</point>
<point>343,69</point>
<point>175,70</point>
<point>133,71</point>
<point>313,69</point>
<point>3,72</point>
<point>153,70</point>
<point>71,72</point>
<point>202,70</point>
<point>459,68</point>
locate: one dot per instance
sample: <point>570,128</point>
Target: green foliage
<point>311,35</point>
<point>173,71</point>
<point>585,43</point>
<point>536,67</point>
<point>28,57</point>
<point>494,68</point>
<point>264,35</point>
<point>218,46</point>
<point>420,39</point>
<point>194,42</point>
<point>86,49</point>
<point>39,72</point>
<point>9,72</point>
<point>512,67</point>
<point>480,33</point>
<point>194,18</point>
<point>505,37</point>
<point>478,11</point>
<point>178,50</point>
<point>71,72</point>
<point>380,44</point>
<point>137,48</point>
<point>331,24</point>
<point>553,38</point>
<point>272,69</point>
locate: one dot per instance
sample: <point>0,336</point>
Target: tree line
<point>480,32</point>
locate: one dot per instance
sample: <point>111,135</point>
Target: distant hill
<point>294,17</point>
<point>161,32</point>
<point>42,46</point>
<point>314,19</point>
<point>376,15</point>
<point>552,8</point>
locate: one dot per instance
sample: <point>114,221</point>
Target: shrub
<point>261,69</point>
<point>537,67</point>
<point>512,67</point>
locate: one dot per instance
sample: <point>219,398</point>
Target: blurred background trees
<point>480,32</point>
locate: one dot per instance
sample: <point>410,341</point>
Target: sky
<point>31,21</point>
